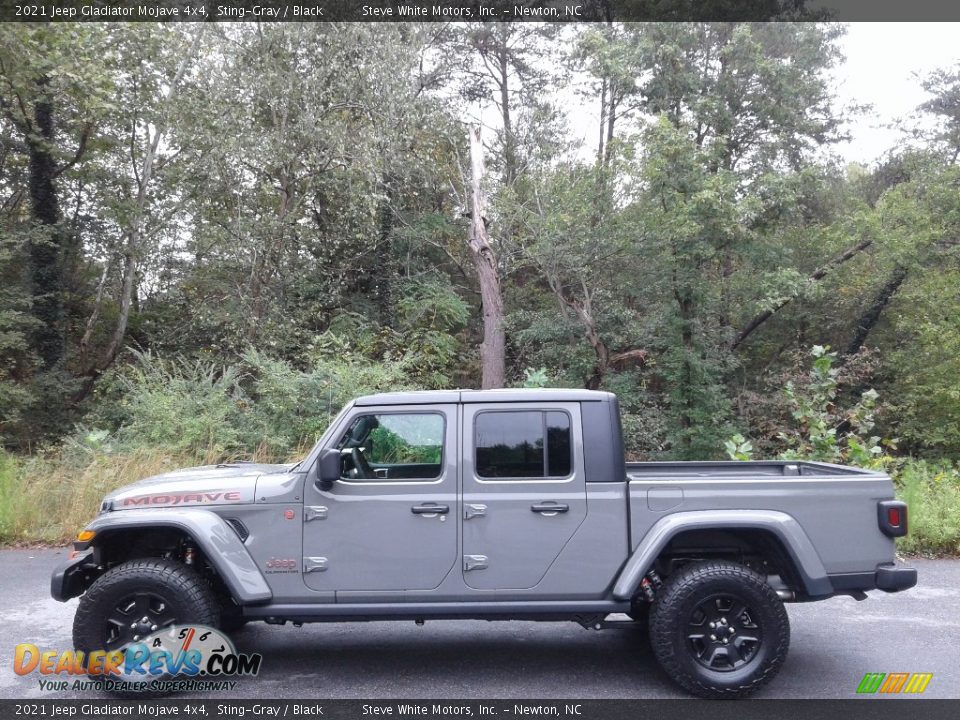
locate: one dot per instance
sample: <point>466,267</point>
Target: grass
<point>932,492</point>
<point>47,498</point>
<point>9,495</point>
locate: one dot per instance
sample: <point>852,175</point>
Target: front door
<point>389,523</point>
<point>523,491</point>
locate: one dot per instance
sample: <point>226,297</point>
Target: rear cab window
<point>522,445</point>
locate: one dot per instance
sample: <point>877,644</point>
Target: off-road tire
<point>679,606</point>
<point>190,598</point>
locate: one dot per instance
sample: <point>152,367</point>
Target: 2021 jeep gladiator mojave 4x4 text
<point>504,504</point>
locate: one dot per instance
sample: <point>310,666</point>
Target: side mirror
<point>328,468</point>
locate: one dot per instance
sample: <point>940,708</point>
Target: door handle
<point>314,564</point>
<point>472,510</point>
<point>550,508</point>
<point>430,509</point>
<point>475,562</point>
<point>314,512</point>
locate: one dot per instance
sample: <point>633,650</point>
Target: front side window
<point>533,444</point>
<point>393,446</point>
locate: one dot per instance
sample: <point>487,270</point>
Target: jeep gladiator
<point>500,505</point>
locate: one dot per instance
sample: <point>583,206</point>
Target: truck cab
<point>463,495</point>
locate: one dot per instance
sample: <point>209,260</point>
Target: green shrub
<point>924,392</point>
<point>932,491</point>
<point>285,409</point>
<point>825,431</point>
<point>9,495</point>
<point>261,405</point>
<point>186,406</point>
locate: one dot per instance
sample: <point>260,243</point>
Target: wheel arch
<point>213,536</point>
<point>783,532</point>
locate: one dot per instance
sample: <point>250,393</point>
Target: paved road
<point>834,643</point>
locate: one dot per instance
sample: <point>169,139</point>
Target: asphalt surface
<point>833,644</point>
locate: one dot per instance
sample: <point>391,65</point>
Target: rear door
<point>523,491</point>
<point>389,523</point>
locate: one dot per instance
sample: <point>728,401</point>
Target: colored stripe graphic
<point>918,682</point>
<point>893,683</point>
<point>871,682</point>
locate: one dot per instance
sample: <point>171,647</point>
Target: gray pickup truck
<point>504,504</point>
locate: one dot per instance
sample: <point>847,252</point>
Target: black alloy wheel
<point>718,629</point>
<point>723,632</point>
<point>135,616</point>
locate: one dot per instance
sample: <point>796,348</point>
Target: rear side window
<point>534,444</point>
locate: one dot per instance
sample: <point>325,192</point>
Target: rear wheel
<point>719,630</point>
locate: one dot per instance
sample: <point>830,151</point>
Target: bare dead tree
<point>493,347</point>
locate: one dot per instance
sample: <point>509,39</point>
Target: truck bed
<point>835,505</point>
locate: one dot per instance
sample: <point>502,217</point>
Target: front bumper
<point>71,578</point>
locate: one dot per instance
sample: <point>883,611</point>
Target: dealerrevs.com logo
<point>177,658</point>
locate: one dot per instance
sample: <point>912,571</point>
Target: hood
<point>226,484</point>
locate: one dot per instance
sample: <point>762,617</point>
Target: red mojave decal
<point>184,498</point>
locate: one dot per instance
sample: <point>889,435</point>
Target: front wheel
<point>719,630</point>
<point>140,597</point>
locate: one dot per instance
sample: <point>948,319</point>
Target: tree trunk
<point>134,233</point>
<point>95,313</point>
<point>611,121</point>
<point>584,314</point>
<point>818,274</point>
<point>603,121</point>
<point>509,141</point>
<point>686,306</point>
<point>45,261</point>
<point>599,349</point>
<point>389,269</point>
<point>493,347</point>
<point>872,314</point>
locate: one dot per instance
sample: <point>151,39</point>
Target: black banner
<point>877,709</point>
<point>473,10</point>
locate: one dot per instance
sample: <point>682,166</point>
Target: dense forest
<point>211,236</point>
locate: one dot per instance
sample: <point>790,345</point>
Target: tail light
<point>892,517</point>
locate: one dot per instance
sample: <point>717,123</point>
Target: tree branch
<point>872,314</point>
<point>81,149</point>
<point>817,275</point>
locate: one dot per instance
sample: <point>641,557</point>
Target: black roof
<point>511,395</point>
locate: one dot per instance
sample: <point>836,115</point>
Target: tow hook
<point>650,584</point>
